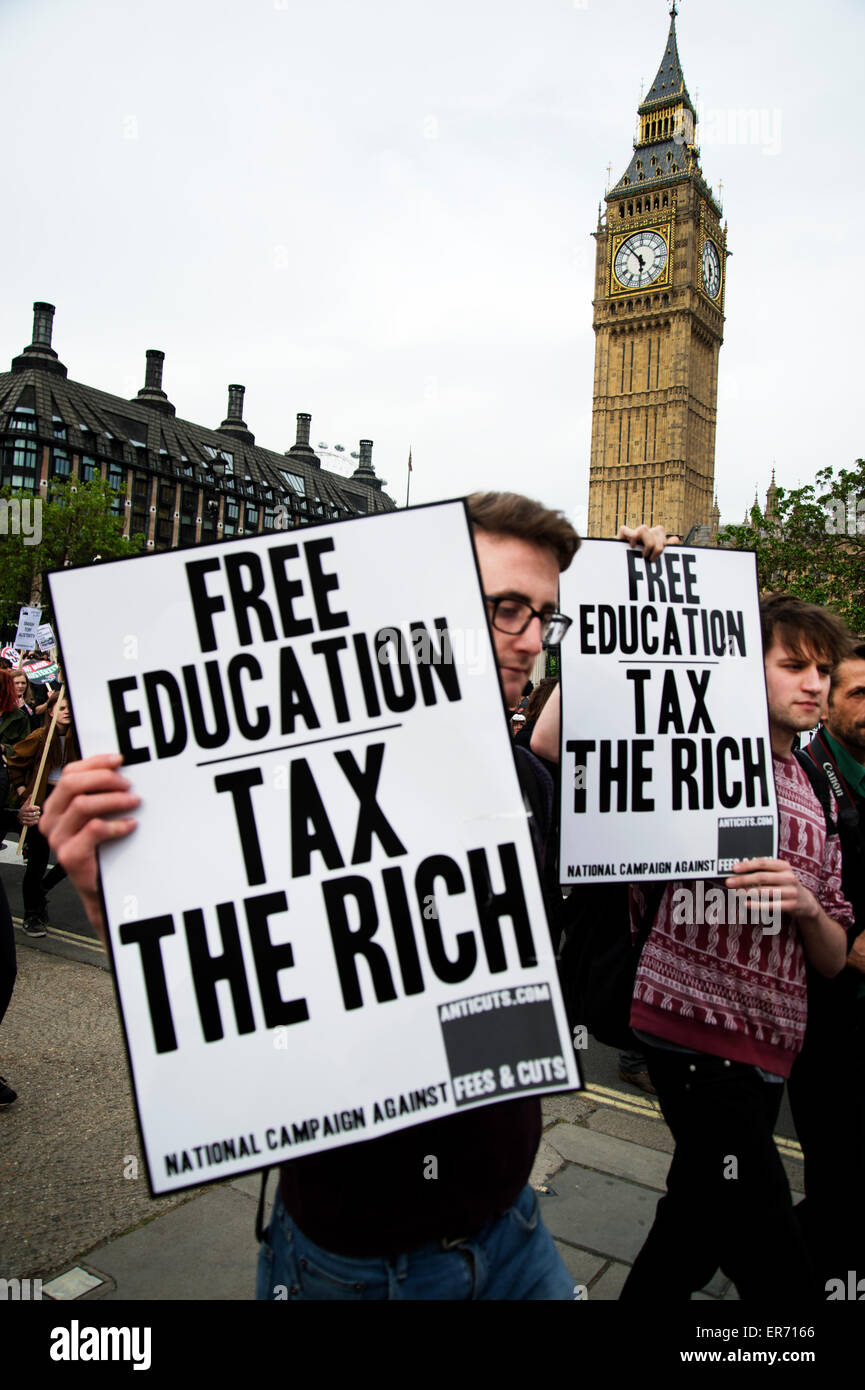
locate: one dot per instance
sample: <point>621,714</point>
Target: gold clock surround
<point>665,229</point>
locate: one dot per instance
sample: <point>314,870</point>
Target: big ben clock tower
<point>659,323</point>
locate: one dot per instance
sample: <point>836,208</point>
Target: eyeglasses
<point>512,616</point>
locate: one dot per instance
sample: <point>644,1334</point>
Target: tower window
<point>621,214</point>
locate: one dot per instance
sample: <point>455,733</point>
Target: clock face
<point>640,259</point>
<point>711,269</point>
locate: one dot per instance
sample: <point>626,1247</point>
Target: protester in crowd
<point>826,1087</point>
<point>721,1010</point>
<point>28,698</point>
<point>14,719</point>
<point>32,791</point>
<point>363,1221</point>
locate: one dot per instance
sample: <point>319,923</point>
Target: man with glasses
<point>375,1220</point>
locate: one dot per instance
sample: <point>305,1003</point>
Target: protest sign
<point>45,638</point>
<point>11,654</point>
<point>40,672</point>
<point>28,622</point>
<point>666,758</point>
<point>328,924</point>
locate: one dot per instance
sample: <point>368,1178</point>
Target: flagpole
<point>408,477</point>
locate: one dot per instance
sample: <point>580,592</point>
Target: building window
<point>188,511</point>
<point>19,464</point>
<point>209,516</point>
<point>230,517</point>
<point>61,464</point>
<point>164,514</point>
<point>89,468</point>
<point>295,482</point>
<point>250,522</point>
<point>23,419</point>
<point>140,504</point>
<point>116,480</point>
<point>59,427</point>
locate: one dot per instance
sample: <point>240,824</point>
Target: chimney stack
<point>233,422</point>
<point>40,353</point>
<point>153,370</point>
<point>235,402</point>
<point>43,324</point>
<point>301,445</point>
<point>151,393</point>
<point>365,473</point>
<point>303,423</point>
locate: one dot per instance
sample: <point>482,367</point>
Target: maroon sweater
<point>729,988</point>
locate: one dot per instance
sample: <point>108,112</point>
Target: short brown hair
<point>803,628</point>
<point>855,653</point>
<point>511,514</point>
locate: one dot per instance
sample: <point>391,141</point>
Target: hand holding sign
<point>300,698</point>
<point>88,791</point>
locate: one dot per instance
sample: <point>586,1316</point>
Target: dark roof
<point>161,442</point>
<point>670,80</point>
<point>658,175</point>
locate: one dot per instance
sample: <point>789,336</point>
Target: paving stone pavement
<point>77,1199</point>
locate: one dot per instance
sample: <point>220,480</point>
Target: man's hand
<point>789,895</point>
<point>28,814</point>
<point>824,940</point>
<point>651,538</point>
<point>74,822</point>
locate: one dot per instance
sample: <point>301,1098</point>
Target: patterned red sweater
<point>730,988</point>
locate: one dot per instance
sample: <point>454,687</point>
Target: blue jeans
<point>512,1257</point>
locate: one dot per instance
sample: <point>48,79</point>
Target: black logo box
<point>500,1037</point>
<point>737,841</point>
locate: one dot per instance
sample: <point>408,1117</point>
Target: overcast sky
<point>382,214</point>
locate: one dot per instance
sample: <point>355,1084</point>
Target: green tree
<point>73,525</point>
<point>812,542</point>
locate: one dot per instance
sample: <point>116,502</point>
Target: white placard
<point>28,624</point>
<point>346,830</point>
<point>45,638</point>
<point>666,756</point>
